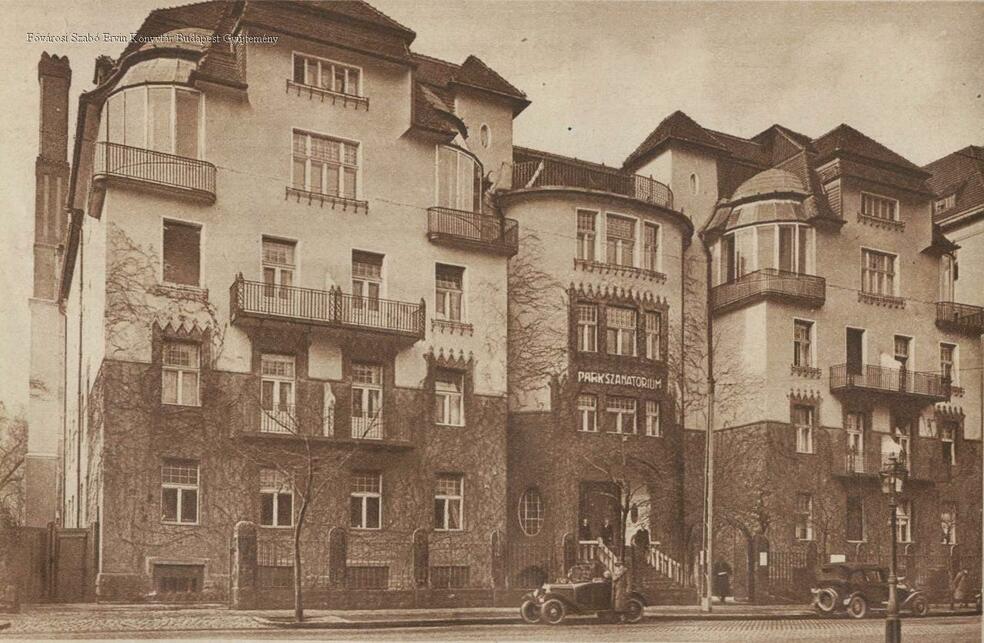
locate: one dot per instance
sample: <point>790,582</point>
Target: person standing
<point>640,546</point>
<point>584,530</point>
<point>620,589</point>
<point>958,588</point>
<point>607,533</point>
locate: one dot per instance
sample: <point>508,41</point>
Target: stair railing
<point>666,566</point>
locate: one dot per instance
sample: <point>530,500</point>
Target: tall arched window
<point>531,512</point>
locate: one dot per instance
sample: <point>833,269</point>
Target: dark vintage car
<point>858,588</point>
<point>552,602</point>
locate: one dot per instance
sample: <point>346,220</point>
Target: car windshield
<point>874,576</point>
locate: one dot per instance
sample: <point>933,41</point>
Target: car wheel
<point>920,606</point>
<point>530,612</point>
<point>826,601</point>
<point>634,611</point>
<point>553,611</point>
<point>858,607</point>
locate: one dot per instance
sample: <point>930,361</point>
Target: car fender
<point>851,596</point>
<point>563,599</point>
<point>639,597</point>
<point>834,594</point>
<point>912,595</point>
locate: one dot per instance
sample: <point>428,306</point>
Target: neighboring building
<point>323,277</point>
<point>827,268</point>
<point>594,324</point>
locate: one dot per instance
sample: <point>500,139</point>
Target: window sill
<point>180,291</point>
<point>618,269</point>
<point>857,542</point>
<point>452,327</point>
<point>370,529</point>
<point>330,199</point>
<point>890,301</point>
<point>177,407</point>
<point>276,526</point>
<point>805,371</point>
<point>449,426</point>
<point>885,224</point>
<point>327,94</point>
<point>449,531</point>
<point>180,524</point>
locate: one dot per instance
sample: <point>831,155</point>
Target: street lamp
<point>893,475</point>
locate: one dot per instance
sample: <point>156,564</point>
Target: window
<point>802,343</point>
<point>459,180</point>
<point>366,499</point>
<point>622,414</point>
<point>855,423</point>
<point>654,324</point>
<point>182,254</point>
<point>179,376</point>
<point>325,165</point>
<point>650,247</point>
<point>902,346</point>
<point>450,286</point>
<point>587,413</point>
<point>621,331</point>
<point>367,280</point>
<point>327,75</point>
<point>804,516</point>
<point>948,355</point>
<point>448,398</point>
<point>276,499</point>
<point>587,328</point>
<point>367,577</point>
<point>900,436</point>
<point>948,275</point>
<point>903,521</point>
<point>694,184</point>
<point>277,393</point>
<point>449,576</point>
<point>877,273</point>
<point>653,427</point>
<point>803,420</point>
<point>948,523</point>
<point>620,233</point>
<point>948,431</point>
<point>448,502</point>
<point>586,234</point>
<point>531,511</point>
<point>179,492</point>
<point>879,207</point>
<point>945,203</point>
<point>485,136</point>
<point>367,401</point>
<point>795,247</point>
<point>278,267</point>
<point>155,117</point>
<point>855,519</point>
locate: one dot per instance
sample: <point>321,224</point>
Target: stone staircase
<point>661,578</point>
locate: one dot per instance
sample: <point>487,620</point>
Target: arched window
<point>694,183</point>
<point>531,511</point>
<point>485,135</point>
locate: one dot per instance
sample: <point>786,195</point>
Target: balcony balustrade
<point>769,283</point>
<point>310,421</point>
<point>557,173</point>
<point>150,168</point>
<point>490,233</point>
<point>865,378</point>
<point>960,317</point>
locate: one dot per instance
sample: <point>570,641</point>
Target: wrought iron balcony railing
<point>152,168</point>
<point>769,283</point>
<point>960,317</point>
<point>557,173</point>
<point>326,308</point>
<point>894,381</point>
<point>472,229</point>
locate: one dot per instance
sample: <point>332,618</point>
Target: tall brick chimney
<point>45,406</point>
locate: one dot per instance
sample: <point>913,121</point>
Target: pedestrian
<point>958,588</point>
<point>584,531</point>
<point>607,533</point>
<point>620,589</point>
<point>722,580</point>
<point>640,546</point>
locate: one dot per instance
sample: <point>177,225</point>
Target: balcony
<point>769,283</point>
<point>557,173</point>
<point>895,382</point>
<point>158,170</point>
<point>288,421</point>
<point>329,308</point>
<point>857,465</point>
<point>962,318</point>
<point>473,230</point>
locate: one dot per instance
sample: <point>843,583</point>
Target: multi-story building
<point>281,261</point>
<point>825,270</point>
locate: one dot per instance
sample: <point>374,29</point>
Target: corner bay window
<point>325,165</point>
<point>448,295</point>
<point>179,492</point>
<point>365,500</point>
<point>783,247</point>
<point>622,414</point>
<point>620,240</point>
<point>459,180</point>
<point>179,376</point>
<point>367,401</point>
<point>587,413</point>
<point>448,502</point>
<point>621,331</point>
<point>182,253</point>
<point>448,398</point>
<point>276,499</point>
<point>163,118</point>
<point>878,273</point>
<point>328,75</point>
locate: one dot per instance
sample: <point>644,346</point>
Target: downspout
<point>79,392</point>
<point>709,441</point>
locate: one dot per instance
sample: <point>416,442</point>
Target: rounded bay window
<point>531,511</point>
<point>163,118</point>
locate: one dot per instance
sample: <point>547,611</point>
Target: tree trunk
<point>298,590</point>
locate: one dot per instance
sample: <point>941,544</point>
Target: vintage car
<point>858,588</point>
<point>552,602</point>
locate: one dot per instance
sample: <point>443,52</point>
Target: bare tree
<point>13,452</point>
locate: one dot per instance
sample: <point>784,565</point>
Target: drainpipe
<point>709,440</point>
<point>78,389</point>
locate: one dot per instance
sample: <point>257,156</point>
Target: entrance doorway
<point>598,504</point>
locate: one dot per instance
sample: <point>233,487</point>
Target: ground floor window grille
<point>178,579</point>
<point>367,577</point>
<point>449,576</point>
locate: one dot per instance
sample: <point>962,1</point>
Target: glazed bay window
<point>367,401</point>
<point>903,521</point>
<point>327,75</point>
<point>787,248</point>
<point>879,207</point>
<point>325,165</point>
<point>276,499</point>
<point>878,274</point>
<point>948,523</point>
<point>804,516</point>
<point>586,234</point>
<point>366,500</point>
<point>450,288</point>
<point>653,426</point>
<point>277,393</point>
<point>182,254</point>
<point>620,234</point>
<point>179,492</point>
<point>179,374</point>
<point>654,325</point>
<point>449,399</point>
<point>163,118</point>
<point>449,502</point>
<point>948,431</point>
<point>278,267</point>
<point>803,421</point>
<point>587,328</point>
<point>621,331</point>
<point>650,247</point>
<point>802,343</point>
<point>622,415</point>
<point>459,180</point>
<point>587,413</point>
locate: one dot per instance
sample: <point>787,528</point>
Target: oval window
<point>694,183</point>
<point>485,135</point>
<point>531,512</point>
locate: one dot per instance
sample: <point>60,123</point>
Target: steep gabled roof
<point>962,175</point>
<point>677,127</point>
<point>844,139</point>
<point>475,73</point>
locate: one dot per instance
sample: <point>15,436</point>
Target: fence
<point>882,378</point>
<point>557,173</point>
<point>769,282</point>
<point>151,166</point>
<point>474,228</point>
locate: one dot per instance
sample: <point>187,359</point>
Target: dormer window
<point>459,180</point>
<point>327,75</point>
<point>945,203</point>
<point>164,118</point>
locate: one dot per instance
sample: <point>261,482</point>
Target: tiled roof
<point>360,11</point>
<point>677,126</point>
<point>475,73</point>
<point>961,174</point>
<point>846,139</point>
<point>742,148</point>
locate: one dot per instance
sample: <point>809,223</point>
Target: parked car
<point>552,602</point>
<point>858,588</point>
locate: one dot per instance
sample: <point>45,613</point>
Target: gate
<point>70,553</point>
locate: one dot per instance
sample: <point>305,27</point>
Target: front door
<point>70,565</point>
<point>855,351</point>
<point>598,504</point>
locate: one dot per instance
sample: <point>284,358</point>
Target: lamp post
<point>893,475</point>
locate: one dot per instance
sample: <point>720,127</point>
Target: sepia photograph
<point>492,320</point>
